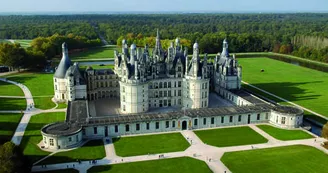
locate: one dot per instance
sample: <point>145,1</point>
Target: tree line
<point>41,50</point>
<point>284,33</point>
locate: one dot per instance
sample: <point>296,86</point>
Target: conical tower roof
<point>64,64</point>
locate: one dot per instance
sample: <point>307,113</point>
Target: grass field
<point>40,84</point>
<point>33,135</point>
<point>175,165</point>
<point>291,159</point>
<point>234,136</point>
<point>8,125</point>
<point>95,53</point>
<point>24,43</point>
<point>12,103</point>
<point>300,85</point>
<point>142,145</point>
<point>83,153</point>
<point>83,67</point>
<point>283,134</point>
<point>8,89</point>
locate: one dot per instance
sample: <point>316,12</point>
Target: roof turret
<point>64,64</point>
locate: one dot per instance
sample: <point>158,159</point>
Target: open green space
<point>95,53</point>
<point>24,43</point>
<point>150,144</point>
<point>32,135</point>
<point>12,103</point>
<point>40,84</point>
<point>83,153</point>
<point>8,125</point>
<point>4,41</point>
<point>175,165</point>
<point>283,134</point>
<point>61,105</point>
<point>97,66</point>
<point>300,85</point>
<point>8,89</point>
<point>234,136</point>
<point>291,159</point>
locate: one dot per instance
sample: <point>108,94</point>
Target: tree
<point>12,55</point>
<point>12,159</point>
<point>324,132</point>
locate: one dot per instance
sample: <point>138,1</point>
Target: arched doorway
<point>184,125</point>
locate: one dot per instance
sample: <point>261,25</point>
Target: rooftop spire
<point>64,64</point>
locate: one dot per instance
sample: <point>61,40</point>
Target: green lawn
<point>43,102</point>
<point>8,89</point>
<point>40,84</point>
<point>175,165</point>
<point>33,135</point>
<point>234,136</point>
<point>12,103</point>
<point>291,159</point>
<point>61,105</point>
<point>142,145</point>
<point>61,171</point>
<point>83,67</point>
<point>24,43</point>
<point>95,53</point>
<point>8,125</point>
<point>300,85</point>
<point>283,134</point>
<point>83,153</point>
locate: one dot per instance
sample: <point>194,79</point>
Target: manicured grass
<point>95,53</point>
<point>24,43</point>
<point>230,136</point>
<point>283,134</point>
<point>8,89</point>
<point>62,171</point>
<point>12,103</point>
<point>83,67</point>
<point>8,125</point>
<point>291,159</point>
<point>142,145</point>
<point>83,153</point>
<point>40,84</point>
<point>33,135</point>
<point>43,102</point>
<point>61,105</point>
<point>175,165</point>
<point>300,85</point>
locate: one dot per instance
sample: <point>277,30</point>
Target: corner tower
<point>60,87</point>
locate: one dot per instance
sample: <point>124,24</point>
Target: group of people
<point>93,162</point>
<point>161,156</point>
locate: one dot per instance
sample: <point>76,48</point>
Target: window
<point>195,122</point>
<point>69,139</point>
<point>266,115</point>
<point>137,127</point>
<point>167,124</point>
<point>51,142</point>
<point>123,107</point>
<point>212,120</point>
<point>179,68</point>
<point>179,92</point>
<point>283,120</point>
<point>95,130</point>
<point>83,131</point>
<point>239,118</point>
<point>169,93</point>
<point>165,84</point>
<point>173,123</point>
<point>116,128</point>
<point>123,98</point>
<point>157,125</point>
<point>147,126</point>
<point>77,138</point>
<point>258,117</point>
<point>160,85</point>
<point>222,119</point>
<point>231,117</point>
<point>204,121</point>
<point>169,84</point>
<point>179,84</point>
<point>55,87</point>
<point>127,128</point>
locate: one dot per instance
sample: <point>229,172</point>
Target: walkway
<point>280,98</point>
<point>209,154</point>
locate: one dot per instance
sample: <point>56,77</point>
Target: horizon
<point>157,6</point>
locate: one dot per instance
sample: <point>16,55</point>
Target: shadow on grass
<point>105,168</point>
<point>289,90</point>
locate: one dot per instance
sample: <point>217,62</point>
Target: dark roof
<point>61,128</point>
<point>288,110</point>
<point>64,64</point>
<point>247,96</point>
<point>147,117</point>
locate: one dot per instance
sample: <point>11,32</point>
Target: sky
<point>76,6</point>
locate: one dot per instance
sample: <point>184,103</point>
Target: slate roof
<point>64,64</point>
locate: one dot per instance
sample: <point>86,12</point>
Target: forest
<point>300,34</point>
